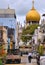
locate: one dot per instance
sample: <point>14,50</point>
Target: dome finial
<point>8,6</point>
<point>32,4</point>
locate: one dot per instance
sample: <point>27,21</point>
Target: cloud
<point>23,6</point>
<point>21,19</point>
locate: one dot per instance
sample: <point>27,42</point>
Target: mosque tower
<point>32,17</point>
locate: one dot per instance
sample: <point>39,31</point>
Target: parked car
<point>13,57</point>
<point>34,54</point>
<point>42,60</point>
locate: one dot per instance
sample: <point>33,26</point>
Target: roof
<point>33,15</point>
<point>7,13</point>
<point>43,15</point>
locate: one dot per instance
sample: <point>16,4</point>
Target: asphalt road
<point>24,61</point>
<point>22,64</point>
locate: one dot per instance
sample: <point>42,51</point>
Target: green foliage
<point>2,52</point>
<point>29,30</point>
<point>40,49</point>
<point>0,46</point>
<point>0,62</point>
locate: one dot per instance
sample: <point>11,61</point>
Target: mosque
<point>32,17</point>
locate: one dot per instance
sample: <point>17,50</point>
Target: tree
<point>0,62</point>
<point>2,51</point>
<point>40,49</point>
<point>28,30</point>
<point>2,54</point>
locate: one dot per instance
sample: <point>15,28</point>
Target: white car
<point>42,60</point>
<point>14,57</point>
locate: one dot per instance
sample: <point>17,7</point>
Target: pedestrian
<point>29,57</point>
<point>21,53</point>
<point>38,59</point>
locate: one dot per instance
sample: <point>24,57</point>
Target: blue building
<point>8,19</point>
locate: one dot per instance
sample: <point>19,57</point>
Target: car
<point>13,57</point>
<point>34,54</point>
<point>42,60</point>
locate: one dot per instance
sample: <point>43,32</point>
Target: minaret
<point>32,4</point>
<point>17,39</point>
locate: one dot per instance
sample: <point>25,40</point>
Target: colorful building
<point>8,19</point>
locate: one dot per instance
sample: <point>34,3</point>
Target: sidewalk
<point>23,64</point>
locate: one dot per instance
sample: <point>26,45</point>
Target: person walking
<point>29,57</point>
<point>38,59</point>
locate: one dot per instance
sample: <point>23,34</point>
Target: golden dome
<point>33,15</point>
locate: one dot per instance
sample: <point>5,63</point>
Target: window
<point>0,34</point>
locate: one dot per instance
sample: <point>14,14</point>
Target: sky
<point>22,7</point>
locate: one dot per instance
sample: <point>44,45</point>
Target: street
<point>24,61</point>
<point>22,64</point>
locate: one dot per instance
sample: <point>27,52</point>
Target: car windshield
<point>14,52</point>
<point>17,52</point>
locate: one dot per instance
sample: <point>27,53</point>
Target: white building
<point>38,35</point>
<point>8,18</point>
<point>40,32</point>
<point>19,29</point>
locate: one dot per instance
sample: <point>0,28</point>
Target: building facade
<point>3,37</point>
<point>8,19</point>
<point>3,34</point>
<point>33,17</point>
